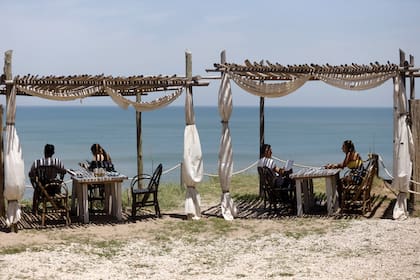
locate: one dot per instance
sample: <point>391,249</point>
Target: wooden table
<point>112,182</point>
<point>304,184</point>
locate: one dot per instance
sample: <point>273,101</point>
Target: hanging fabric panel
<point>269,90</point>
<point>225,169</point>
<point>192,168</point>
<point>59,96</point>
<point>403,148</point>
<point>14,174</point>
<point>142,106</point>
<point>356,82</point>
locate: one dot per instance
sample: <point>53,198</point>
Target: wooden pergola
<point>82,86</point>
<point>264,72</point>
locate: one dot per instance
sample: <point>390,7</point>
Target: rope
<point>295,164</point>
<point>170,169</point>
<point>237,172</point>
<point>383,165</point>
<point>392,177</point>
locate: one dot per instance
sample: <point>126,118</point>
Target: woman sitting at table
<point>101,158</point>
<point>353,161</point>
<point>96,192</point>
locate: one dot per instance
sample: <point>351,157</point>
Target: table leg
<point>73,197</point>
<point>335,201</point>
<point>84,204</point>
<point>308,197</point>
<point>299,197</point>
<point>118,202</point>
<point>331,191</point>
<point>311,193</point>
<point>108,191</point>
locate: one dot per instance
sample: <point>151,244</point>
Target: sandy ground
<point>168,248</point>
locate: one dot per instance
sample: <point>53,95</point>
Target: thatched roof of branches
<point>265,70</point>
<point>126,86</point>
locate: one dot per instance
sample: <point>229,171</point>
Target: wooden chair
<point>358,196</point>
<point>51,192</point>
<point>145,196</point>
<point>273,194</point>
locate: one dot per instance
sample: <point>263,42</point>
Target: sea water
<point>309,136</point>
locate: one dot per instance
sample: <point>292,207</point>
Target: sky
<point>125,38</point>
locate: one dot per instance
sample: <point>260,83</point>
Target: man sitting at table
<point>282,179</point>
<point>47,160</point>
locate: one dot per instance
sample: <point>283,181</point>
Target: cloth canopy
<point>115,96</point>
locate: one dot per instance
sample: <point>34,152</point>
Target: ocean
<point>309,136</point>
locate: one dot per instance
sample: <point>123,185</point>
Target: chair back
<point>269,177</point>
<point>47,174</point>
<point>155,179</point>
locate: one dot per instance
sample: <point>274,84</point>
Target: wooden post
<point>2,201</point>
<point>189,119</point>
<point>8,74</point>
<point>139,142</point>
<point>412,88</point>
<point>415,129</point>
<point>261,136</point>
<point>262,122</point>
<point>412,112</point>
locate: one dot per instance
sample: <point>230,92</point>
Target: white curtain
<point>192,167</point>
<point>142,106</point>
<point>229,210</point>
<point>356,82</point>
<point>123,102</point>
<point>269,90</point>
<point>59,96</point>
<point>14,174</point>
<point>403,147</point>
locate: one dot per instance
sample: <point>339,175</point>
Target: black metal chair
<point>50,192</point>
<point>145,196</point>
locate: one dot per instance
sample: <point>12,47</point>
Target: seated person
<point>353,161</point>
<point>101,159</point>
<point>282,178</point>
<point>47,160</point>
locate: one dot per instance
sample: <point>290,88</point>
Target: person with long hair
<point>100,158</point>
<point>352,160</point>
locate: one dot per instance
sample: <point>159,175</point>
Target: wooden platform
<point>248,208</point>
<point>254,209</point>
